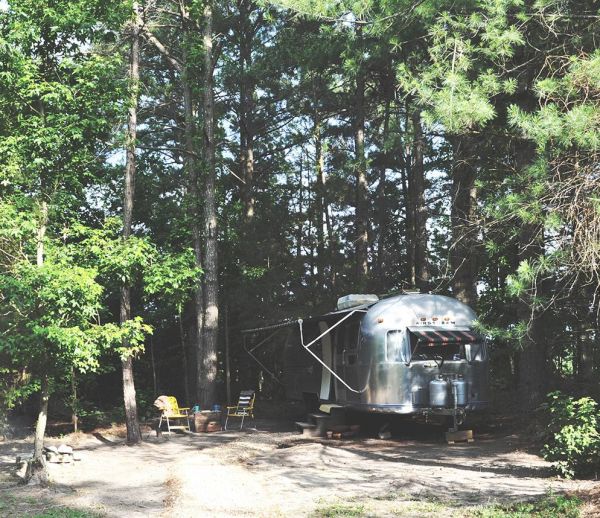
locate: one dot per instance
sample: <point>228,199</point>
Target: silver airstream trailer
<point>406,354</point>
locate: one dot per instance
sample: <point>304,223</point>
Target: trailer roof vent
<point>350,301</point>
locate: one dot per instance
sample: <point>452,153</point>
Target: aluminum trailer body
<point>383,357</point>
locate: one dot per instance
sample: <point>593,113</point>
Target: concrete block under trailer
<point>407,354</point>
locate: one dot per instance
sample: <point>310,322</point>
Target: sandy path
<point>279,474</point>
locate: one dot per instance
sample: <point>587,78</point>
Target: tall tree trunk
<point>190,166</point>
<point>227,363</point>
<point>186,383</point>
<point>381,197</point>
<point>74,417</point>
<point>322,219</point>
<point>208,358</point>
<point>420,215</point>
<point>362,238</point>
<point>463,213</point>
<point>40,427</point>
<point>246,35</point>
<point>134,435</point>
<point>300,225</point>
<point>405,155</point>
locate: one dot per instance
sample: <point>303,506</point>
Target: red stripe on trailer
<point>444,337</point>
<point>459,335</point>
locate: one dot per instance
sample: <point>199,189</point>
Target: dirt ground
<point>269,470</point>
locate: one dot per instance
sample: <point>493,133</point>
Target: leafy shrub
<point>574,442</point>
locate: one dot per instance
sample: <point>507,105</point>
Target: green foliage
<point>118,261</point>
<point>52,318</point>
<point>172,277</point>
<point>574,442</point>
<point>466,55</point>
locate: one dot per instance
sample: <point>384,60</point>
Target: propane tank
<point>459,389</point>
<point>438,392</point>
<point>419,396</point>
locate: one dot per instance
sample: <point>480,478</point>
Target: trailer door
<point>352,364</point>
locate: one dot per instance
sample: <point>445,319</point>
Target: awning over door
<point>443,336</point>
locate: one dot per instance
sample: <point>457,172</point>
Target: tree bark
<point>420,215</point>
<point>246,35</point>
<point>362,238</point>
<point>322,223</point>
<point>227,364</point>
<point>463,214</point>
<point>74,417</point>
<point>40,427</point>
<point>208,358</point>
<point>134,435</point>
<point>186,383</point>
<point>190,166</point>
<point>382,217</point>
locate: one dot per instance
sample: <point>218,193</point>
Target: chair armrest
<point>184,408</point>
<point>231,407</point>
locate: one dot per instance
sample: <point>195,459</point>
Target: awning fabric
<point>440,337</point>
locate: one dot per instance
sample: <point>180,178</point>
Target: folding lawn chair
<point>171,411</point>
<point>245,407</point>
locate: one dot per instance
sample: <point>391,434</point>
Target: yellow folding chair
<point>244,408</point>
<point>170,410</point>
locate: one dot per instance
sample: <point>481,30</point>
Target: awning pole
<point>256,359</point>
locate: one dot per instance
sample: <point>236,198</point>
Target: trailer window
<point>436,350</point>
<point>396,347</point>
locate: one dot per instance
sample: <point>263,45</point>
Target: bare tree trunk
<point>227,365</point>
<point>134,435</point>
<point>362,238</point>
<point>208,358</point>
<point>381,198</point>
<point>464,204</point>
<point>74,418</point>
<point>37,467</point>
<point>190,166</point>
<point>186,382</point>
<point>153,364</point>
<point>246,35</point>
<point>40,427</point>
<point>193,207</point>
<point>321,201</point>
<point>421,268</point>
<point>300,226</point>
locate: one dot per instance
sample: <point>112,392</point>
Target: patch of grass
<point>425,507</point>
<point>64,513</point>
<point>340,510</point>
<point>28,507</point>
<point>550,507</point>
